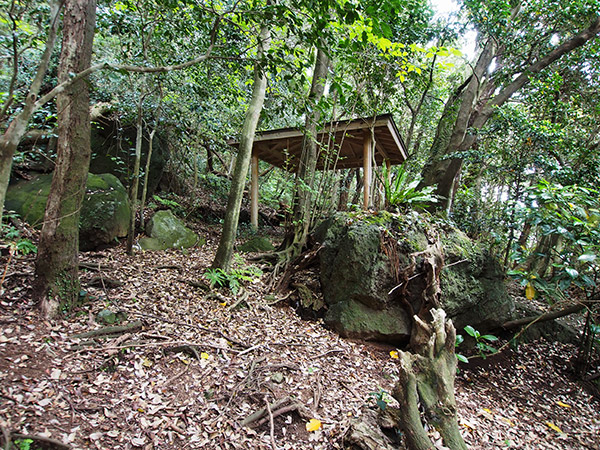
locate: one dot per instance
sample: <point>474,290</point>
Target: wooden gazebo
<point>344,144</point>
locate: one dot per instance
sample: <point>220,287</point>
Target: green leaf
<point>462,358</point>
<point>571,272</point>
<point>587,257</point>
<point>489,337</point>
<point>471,331</point>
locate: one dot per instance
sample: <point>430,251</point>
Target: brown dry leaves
<point>198,368</point>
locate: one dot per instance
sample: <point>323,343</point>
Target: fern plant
<point>401,192</point>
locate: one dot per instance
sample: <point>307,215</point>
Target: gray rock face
<point>104,212</point>
<point>167,231</point>
<point>357,274</point>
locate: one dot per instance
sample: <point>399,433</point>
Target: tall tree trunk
<point>57,280</point>
<point>467,111</point>
<point>17,128</point>
<point>234,202</point>
<point>305,178</point>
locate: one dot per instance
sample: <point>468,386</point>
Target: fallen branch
<point>542,317</point>
<point>194,327</point>
<point>196,284</point>
<point>133,326</point>
<point>262,412</point>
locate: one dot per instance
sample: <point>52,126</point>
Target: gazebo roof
<point>282,147</point>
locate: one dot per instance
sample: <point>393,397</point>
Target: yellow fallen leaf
<point>394,354</point>
<point>223,304</point>
<point>204,355</point>
<point>488,410</point>
<point>529,291</point>
<point>554,427</point>
<point>147,362</point>
<point>508,421</point>
<point>313,425</point>
<point>564,405</point>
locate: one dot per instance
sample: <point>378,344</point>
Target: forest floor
<point>201,363</point>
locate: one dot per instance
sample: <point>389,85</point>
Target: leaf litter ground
<point>198,367</point>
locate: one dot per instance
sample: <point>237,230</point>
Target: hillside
<point>202,362</point>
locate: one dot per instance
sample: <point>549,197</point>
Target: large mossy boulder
<point>167,231</point>
<point>364,255</point>
<point>104,213</point>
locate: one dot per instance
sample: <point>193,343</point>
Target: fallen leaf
<point>204,355</point>
<point>529,291</point>
<point>554,427</point>
<point>313,425</point>
<point>564,405</point>
<point>394,354</point>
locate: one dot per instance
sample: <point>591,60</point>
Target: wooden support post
<point>367,168</point>
<point>254,191</point>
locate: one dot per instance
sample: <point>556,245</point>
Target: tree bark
<point>427,376</point>
<point>17,128</point>
<point>305,177</point>
<point>57,280</point>
<point>468,112</point>
<point>234,202</point>
<point>135,179</point>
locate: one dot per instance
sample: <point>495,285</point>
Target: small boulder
<point>167,231</point>
<point>256,244</point>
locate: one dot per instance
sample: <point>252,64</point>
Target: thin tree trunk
<point>234,202</point>
<point>17,128</point>
<point>146,174</point>
<point>135,180</point>
<point>57,281</point>
<point>305,178</point>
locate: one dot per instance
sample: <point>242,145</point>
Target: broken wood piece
<point>262,412</point>
<point>188,349</point>
<point>133,326</point>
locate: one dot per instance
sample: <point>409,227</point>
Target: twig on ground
<point>271,424</point>
<point>7,439</point>
<point>193,327</point>
<point>110,330</point>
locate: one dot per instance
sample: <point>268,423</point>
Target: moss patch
<point>167,231</point>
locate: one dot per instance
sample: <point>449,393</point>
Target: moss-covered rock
<point>256,244</point>
<point>353,319</point>
<point>104,212</point>
<point>167,231</point>
<point>362,256</point>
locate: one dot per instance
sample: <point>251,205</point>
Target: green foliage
<point>571,214</point>
<point>382,398</point>
<point>23,444</point>
<point>483,348</point>
<point>459,340</point>
<point>233,279</point>
<point>403,190</point>
<point>14,241</point>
